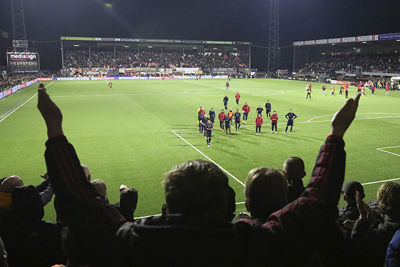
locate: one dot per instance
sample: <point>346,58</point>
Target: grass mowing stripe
<point>204,155</point>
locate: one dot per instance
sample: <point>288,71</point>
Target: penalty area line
<point>20,106</point>
<point>207,157</point>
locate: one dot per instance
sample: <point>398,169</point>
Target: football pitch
<point>135,132</point>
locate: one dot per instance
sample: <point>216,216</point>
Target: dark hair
<point>197,188</point>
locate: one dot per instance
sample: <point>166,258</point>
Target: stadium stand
<point>130,59</point>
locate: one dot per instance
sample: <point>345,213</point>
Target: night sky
<point>239,20</point>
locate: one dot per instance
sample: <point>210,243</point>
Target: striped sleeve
<point>316,208</point>
<point>92,221</point>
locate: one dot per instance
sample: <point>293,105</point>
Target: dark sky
<point>244,20</point>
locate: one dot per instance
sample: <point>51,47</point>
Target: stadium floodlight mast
<point>273,43</point>
<point>18,19</point>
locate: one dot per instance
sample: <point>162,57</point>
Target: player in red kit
<point>110,84</point>
<point>387,89</point>
<point>221,117</point>
<point>274,121</point>
<point>237,97</point>
<point>227,86</point>
<point>246,111</point>
<point>259,123</point>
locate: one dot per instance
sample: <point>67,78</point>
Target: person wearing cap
<point>350,211</point>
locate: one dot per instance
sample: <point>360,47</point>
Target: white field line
<point>369,113</point>
<point>384,149</point>
<point>18,107</point>
<point>381,181</point>
<point>207,157</point>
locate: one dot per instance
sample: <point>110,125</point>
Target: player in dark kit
<point>227,86</point>
<point>290,116</point>
<point>110,84</point>
<point>237,116</point>
<point>259,110</point>
<point>308,93</point>
<point>225,100</point>
<point>200,117</point>
<point>204,123</point>
<point>346,91</point>
<point>221,117</point>
<point>228,122</point>
<point>268,108</point>
<point>209,128</point>
<point>323,89</point>
<point>212,115</point>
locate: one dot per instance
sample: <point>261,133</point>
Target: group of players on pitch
<point>226,119</point>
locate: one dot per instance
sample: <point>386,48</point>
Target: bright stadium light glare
<point>126,46</point>
<point>149,46</point>
<point>364,42</point>
<point>398,40</point>
<point>333,44</point>
<point>76,45</point>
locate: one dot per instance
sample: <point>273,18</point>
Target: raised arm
<point>315,211</point>
<point>92,221</point>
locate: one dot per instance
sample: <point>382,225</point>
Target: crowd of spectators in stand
<point>387,63</point>
<point>132,59</point>
<point>15,79</point>
<point>287,225</point>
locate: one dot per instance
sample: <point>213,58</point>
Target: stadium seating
<point>327,63</point>
<point>130,59</point>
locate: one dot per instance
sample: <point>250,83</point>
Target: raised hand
<point>50,112</point>
<point>363,208</point>
<point>343,118</point>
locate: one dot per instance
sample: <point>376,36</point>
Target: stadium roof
<point>159,41</point>
<point>348,40</point>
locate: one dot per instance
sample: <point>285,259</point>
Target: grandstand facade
<point>349,58</point>
<point>143,57</point>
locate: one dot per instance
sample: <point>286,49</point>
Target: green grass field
<point>130,134</point>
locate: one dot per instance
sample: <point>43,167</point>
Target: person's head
<point>209,122</point>
<point>205,115</point>
<point>222,110</point>
<point>290,110</point>
<point>259,106</point>
<point>10,183</point>
<point>197,188</point>
<point>212,109</point>
<point>230,110</point>
<point>237,110</point>
<point>349,191</point>
<point>267,101</point>
<point>388,196</point>
<point>201,106</point>
<point>266,192</point>
<point>274,111</point>
<point>258,115</point>
<point>87,172</point>
<point>100,188</point>
<point>245,103</point>
<point>294,168</point>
